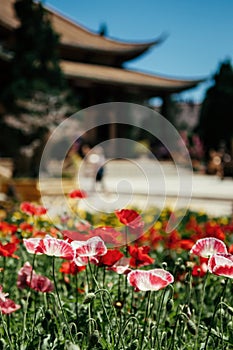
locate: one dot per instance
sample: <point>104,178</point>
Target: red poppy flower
<point>221,265</point>
<point>8,250</point>
<point>139,256</point>
<point>77,194</point>
<point>7,229</point>
<point>201,269</point>
<point>110,258</point>
<point>186,244</point>
<point>32,209</point>
<point>172,241</point>
<point>49,246</point>
<point>152,280</point>
<point>205,247</point>
<point>132,219</point>
<point>70,268</point>
<point>75,235</point>
<point>106,233</point>
<point>214,230</point>
<point>25,226</point>
<point>7,306</point>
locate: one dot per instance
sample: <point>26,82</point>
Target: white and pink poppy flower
<point>209,246</point>
<point>31,245</point>
<point>221,265</point>
<point>93,247</point>
<point>121,266</point>
<point>150,280</point>
<point>50,246</point>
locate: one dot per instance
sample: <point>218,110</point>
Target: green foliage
<point>216,123</point>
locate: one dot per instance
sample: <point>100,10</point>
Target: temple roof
<point>72,35</point>
<point>125,78</point>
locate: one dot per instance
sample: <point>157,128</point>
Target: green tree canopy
<point>216,118</point>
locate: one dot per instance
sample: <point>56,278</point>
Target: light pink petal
<point>31,245</point>
<point>55,247</point>
<point>221,265</point>
<point>207,247</point>
<point>92,247</point>
<point>81,260</point>
<point>121,266</point>
<point>152,280</point>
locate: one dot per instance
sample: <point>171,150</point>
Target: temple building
<point>94,64</point>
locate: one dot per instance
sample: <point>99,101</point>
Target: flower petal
<point>207,247</point>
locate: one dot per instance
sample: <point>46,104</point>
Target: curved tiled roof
<point>123,77</point>
<point>74,35</point>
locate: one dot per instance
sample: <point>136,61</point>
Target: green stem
<point>59,300</point>
<point>76,295</point>
<point>200,310</point>
<point>148,295</point>
<point>27,300</point>
<point>3,269</point>
<point>6,331</point>
<point>214,313</point>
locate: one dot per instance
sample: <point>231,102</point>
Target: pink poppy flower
<point>7,306</point>
<point>221,265</point>
<point>92,247</point>
<point>49,246</point>
<point>25,274</point>
<point>28,278</point>
<point>121,266</point>
<point>152,280</point>
<point>41,284</point>
<point>31,245</point>
<point>206,247</point>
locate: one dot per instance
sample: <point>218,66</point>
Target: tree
<point>36,92</point>
<point>216,118</point>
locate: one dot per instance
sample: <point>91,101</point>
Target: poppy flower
<point>7,229</point>
<point>107,233</point>
<point>41,283</point>
<point>139,256</point>
<point>77,194</point>
<point>205,247</point>
<point>75,235</point>
<point>70,268</point>
<point>8,250</point>
<point>110,258</point>
<point>32,209</point>
<point>150,280</point>
<point>221,265</point>
<point>7,306</point>
<point>23,274</point>
<point>28,278</point>
<point>121,266</point>
<point>132,219</point>
<point>49,246</point>
<point>201,269</point>
<point>92,247</point>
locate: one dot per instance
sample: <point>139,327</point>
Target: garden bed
<point>73,285</point>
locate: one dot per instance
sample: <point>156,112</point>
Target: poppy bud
<point>89,298</point>
<point>191,327</point>
<point>169,305</point>
<point>94,337</point>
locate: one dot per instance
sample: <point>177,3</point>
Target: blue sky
<point>200,33</point>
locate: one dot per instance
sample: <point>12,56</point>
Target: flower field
<point>111,282</point>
